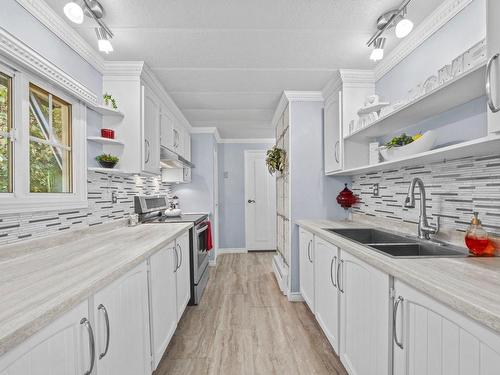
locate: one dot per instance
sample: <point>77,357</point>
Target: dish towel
<point>209,236</point>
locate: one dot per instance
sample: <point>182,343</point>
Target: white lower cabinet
<point>327,297</point>
<point>182,274</point>
<point>430,338</point>
<point>306,267</point>
<point>62,348</point>
<point>163,297</point>
<point>121,313</point>
<point>364,317</point>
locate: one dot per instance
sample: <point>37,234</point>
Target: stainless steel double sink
<point>399,246</point>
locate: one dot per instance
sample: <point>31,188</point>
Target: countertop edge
<point>28,330</point>
<point>480,315</point>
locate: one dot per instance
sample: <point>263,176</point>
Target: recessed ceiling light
<point>74,11</point>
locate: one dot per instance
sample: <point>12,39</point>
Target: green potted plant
<point>107,160</point>
<point>276,160</point>
<point>108,99</point>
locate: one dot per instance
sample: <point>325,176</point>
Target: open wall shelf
<point>109,170</point>
<point>105,111</point>
<point>105,141</point>
<point>477,147</point>
<point>462,89</point>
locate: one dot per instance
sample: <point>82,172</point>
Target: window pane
<point>49,169</point>
<point>5,125</point>
<point>50,164</point>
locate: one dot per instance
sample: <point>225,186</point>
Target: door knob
<point>251,201</point>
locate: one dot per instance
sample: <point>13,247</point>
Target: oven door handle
<point>203,229</point>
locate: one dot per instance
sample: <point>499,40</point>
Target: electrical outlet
<point>375,190</point>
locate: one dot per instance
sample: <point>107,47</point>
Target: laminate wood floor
<point>245,326</point>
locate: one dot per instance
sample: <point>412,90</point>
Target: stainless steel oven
<point>151,210</point>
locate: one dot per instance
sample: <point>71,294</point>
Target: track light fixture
<point>76,10</point>
<point>392,19</point>
<point>378,49</point>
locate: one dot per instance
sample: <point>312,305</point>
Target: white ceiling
<point>226,62</point>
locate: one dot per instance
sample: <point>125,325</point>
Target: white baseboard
<point>281,274</point>
<point>241,250</point>
<point>295,297</point>
<point>212,262</point>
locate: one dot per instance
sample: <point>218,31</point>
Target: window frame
<point>9,135</point>
<point>22,199</point>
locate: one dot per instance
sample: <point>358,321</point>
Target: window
<point>5,135</point>
<point>50,143</point>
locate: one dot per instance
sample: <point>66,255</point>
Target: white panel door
<point>183,274</point>
<point>493,43</point>
<point>332,134</point>
<point>431,338</point>
<point>306,267</point>
<point>166,130</point>
<point>260,203</point>
<point>364,317</point>
<point>62,348</point>
<point>163,299</point>
<point>326,291</point>
<point>123,308</point>
<point>151,132</point>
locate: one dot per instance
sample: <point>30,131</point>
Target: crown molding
<point>356,78</point>
<point>295,96</point>
<point>207,130</point>
<point>20,53</point>
<point>437,19</point>
<point>57,25</point>
<point>248,140</point>
<point>123,68</point>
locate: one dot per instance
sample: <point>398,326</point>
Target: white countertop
<point>468,285</point>
<point>45,278</point>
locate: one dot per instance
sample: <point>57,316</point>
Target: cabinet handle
<point>146,143</point>
<point>336,151</point>
<point>309,251</point>
<point>334,261</point>
<point>394,325</point>
<point>87,325</point>
<point>106,318</point>
<point>176,259</point>
<point>339,265</point>
<point>491,103</point>
<point>180,252</point>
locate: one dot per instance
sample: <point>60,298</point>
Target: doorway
<point>260,203</point>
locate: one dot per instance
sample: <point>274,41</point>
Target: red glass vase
<point>346,198</point>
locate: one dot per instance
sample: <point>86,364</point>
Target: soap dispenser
<point>476,238</point>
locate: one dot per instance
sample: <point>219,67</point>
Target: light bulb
<point>403,28</point>
<point>74,12</point>
<point>105,45</point>
<point>377,54</point>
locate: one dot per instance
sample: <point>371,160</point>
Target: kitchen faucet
<point>424,229</point>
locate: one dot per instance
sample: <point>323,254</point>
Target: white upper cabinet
<point>493,43</point>
<point>306,265</point>
<point>332,136</point>
<point>121,313</point>
<point>326,289</point>
<point>364,317</point>
<point>430,338</point>
<point>151,132</point>
<point>163,295</point>
<point>166,129</point>
<point>65,347</point>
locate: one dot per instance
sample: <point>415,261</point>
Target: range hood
<point>169,159</point>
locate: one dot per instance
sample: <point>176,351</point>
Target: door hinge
<point>392,293</point>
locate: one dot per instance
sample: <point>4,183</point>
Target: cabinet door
<point>325,288</point>
<point>166,130</point>
<point>332,134</point>
<point>163,299</point>
<point>178,138</point>
<point>62,348</point>
<point>306,267</point>
<point>151,132</point>
<point>183,274</point>
<point>122,325</point>
<point>187,145</point>
<point>434,339</point>
<point>493,43</point>
<point>364,317</point>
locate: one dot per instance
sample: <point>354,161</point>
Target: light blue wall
<point>21,24</point>
<point>232,192</point>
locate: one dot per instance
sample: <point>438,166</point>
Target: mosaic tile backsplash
<point>18,227</point>
<point>454,190</point>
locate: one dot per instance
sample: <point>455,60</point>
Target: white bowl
<point>173,212</point>
<point>423,144</point>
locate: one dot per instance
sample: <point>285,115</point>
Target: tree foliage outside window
<point>50,143</point>
<point>5,125</point>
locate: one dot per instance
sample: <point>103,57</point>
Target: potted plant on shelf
<point>276,160</point>
<point>107,160</point>
<point>108,99</point>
